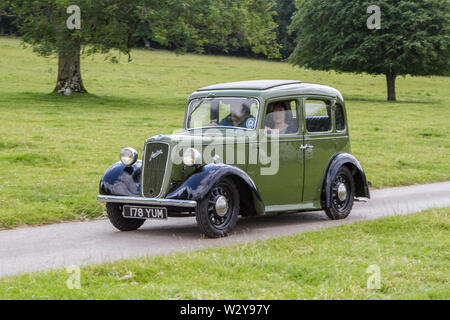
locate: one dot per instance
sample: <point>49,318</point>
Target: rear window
<point>340,118</point>
<point>318,116</point>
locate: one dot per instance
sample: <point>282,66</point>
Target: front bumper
<point>174,203</point>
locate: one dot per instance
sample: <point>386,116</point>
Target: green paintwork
<point>298,183</point>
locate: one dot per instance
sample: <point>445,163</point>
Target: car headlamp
<point>128,156</point>
<point>191,157</point>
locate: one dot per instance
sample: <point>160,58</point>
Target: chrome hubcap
<point>221,206</point>
<point>342,192</point>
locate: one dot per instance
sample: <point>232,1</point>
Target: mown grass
<point>53,149</point>
<point>412,253</point>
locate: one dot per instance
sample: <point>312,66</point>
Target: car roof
<point>266,89</point>
<point>250,85</point>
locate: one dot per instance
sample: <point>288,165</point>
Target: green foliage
<point>105,24</point>
<point>6,17</point>
<point>223,26</point>
<point>285,36</point>
<point>234,27</point>
<point>413,39</point>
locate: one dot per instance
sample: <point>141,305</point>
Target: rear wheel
<point>218,211</point>
<point>342,192</point>
<point>114,211</point>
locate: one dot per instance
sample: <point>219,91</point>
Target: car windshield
<point>223,112</point>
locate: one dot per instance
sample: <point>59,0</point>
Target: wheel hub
<point>221,206</point>
<point>342,191</point>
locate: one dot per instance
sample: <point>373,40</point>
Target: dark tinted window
<point>340,118</point>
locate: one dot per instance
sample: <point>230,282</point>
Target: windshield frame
<point>189,107</point>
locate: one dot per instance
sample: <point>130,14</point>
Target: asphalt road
<point>80,243</point>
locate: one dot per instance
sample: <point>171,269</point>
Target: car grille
<point>154,168</point>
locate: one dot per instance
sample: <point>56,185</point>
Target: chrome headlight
<point>192,157</point>
<point>128,156</point>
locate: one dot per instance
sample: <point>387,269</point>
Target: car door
<point>282,190</point>
<point>319,145</point>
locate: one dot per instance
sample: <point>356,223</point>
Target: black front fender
<point>120,180</point>
<point>345,159</point>
<point>197,186</point>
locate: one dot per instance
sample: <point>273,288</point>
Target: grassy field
<point>53,150</point>
<point>412,253</point>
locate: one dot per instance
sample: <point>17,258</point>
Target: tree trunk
<point>69,72</point>
<point>390,78</point>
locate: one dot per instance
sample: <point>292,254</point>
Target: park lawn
<point>54,150</point>
<point>412,253</point>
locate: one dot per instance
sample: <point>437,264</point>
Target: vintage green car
<point>247,148</point>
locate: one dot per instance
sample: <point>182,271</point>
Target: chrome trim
<point>221,206</point>
<point>342,192</point>
<point>305,147</point>
<point>148,201</point>
<point>163,184</point>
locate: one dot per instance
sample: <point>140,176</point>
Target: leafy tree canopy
<point>226,26</point>
<point>413,38</point>
<point>285,36</point>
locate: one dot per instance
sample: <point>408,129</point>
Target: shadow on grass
<point>85,100</point>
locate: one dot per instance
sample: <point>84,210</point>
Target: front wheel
<point>114,211</point>
<point>218,211</point>
<point>342,194</point>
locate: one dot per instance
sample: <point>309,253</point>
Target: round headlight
<point>191,157</point>
<point>128,156</point>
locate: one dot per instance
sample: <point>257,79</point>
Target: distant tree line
<point>413,36</point>
<point>242,28</point>
<point>235,27</point>
<point>196,37</point>
<point>7,18</point>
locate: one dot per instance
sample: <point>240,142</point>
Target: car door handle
<point>305,147</point>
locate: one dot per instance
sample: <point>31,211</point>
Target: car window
<point>318,116</point>
<point>340,118</point>
<point>223,112</point>
<point>282,116</point>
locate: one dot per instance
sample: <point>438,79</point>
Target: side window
<point>318,116</point>
<point>340,118</point>
<point>282,116</point>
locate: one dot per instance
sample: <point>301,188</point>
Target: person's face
<point>279,115</point>
<point>237,112</point>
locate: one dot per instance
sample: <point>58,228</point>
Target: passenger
<point>239,117</point>
<point>281,119</point>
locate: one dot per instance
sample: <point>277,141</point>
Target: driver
<point>239,117</point>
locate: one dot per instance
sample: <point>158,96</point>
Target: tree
<point>237,27</point>
<point>105,25</point>
<point>413,38</point>
<point>189,25</point>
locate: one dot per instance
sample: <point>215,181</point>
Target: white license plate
<point>144,212</point>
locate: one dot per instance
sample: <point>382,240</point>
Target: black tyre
<point>114,211</point>
<point>342,195</point>
<point>218,211</point>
